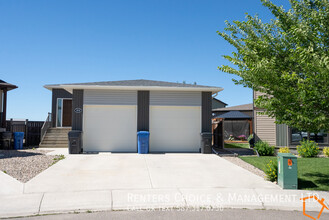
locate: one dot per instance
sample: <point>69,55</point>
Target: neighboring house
<point>4,88</point>
<point>216,103</point>
<point>246,109</point>
<point>237,120</point>
<point>281,135</point>
<point>111,113</point>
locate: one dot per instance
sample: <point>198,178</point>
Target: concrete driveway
<point>150,171</point>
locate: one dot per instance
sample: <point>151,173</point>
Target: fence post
<point>11,125</point>
<point>26,132</point>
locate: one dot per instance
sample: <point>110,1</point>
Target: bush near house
<point>284,150</point>
<point>264,149</point>
<point>271,171</point>
<point>308,149</point>
<point>326,151</point>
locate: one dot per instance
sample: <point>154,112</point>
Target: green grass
<point>236,145</point>
<point>58,158</point>
<point>313,173</point>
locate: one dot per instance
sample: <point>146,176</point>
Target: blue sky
<point>66,41</point>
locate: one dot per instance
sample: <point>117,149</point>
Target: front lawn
<point>236,145</point>
<point>313,173</point>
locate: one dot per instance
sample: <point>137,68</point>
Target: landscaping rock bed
<point>245,165</point>
<point>23,165</point>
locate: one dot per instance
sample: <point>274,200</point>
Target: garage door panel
<point>175,129</point>
<point>110,128</point>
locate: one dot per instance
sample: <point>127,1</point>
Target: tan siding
<point>257,94</point>
<point>265,128</point>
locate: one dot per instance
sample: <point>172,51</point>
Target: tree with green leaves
<point>287,59</point>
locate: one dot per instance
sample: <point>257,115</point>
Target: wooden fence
<point>31,129</point>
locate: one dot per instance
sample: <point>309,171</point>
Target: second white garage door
<point>175,121</point>
<point>110,128</point>
<point>175,129</point>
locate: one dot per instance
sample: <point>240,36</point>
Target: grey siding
<point>281,135</point>
<point>57,93</point>
<point>206,111</point>
<point>77,102</point>
<point>174,98</point>
<point>110,97</point>
<point>143,111</point>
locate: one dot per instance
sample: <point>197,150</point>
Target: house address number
<point>77,110</point>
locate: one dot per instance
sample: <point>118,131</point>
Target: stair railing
<point>46,125</point>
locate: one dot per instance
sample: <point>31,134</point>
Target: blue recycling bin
<point>18,140</point>
<point>143,142</point>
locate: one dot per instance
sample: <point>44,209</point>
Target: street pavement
<point>226,214</point>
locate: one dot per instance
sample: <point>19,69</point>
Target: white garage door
<point>110,128</point>
<point>110,121</point>
<point>175,122</point>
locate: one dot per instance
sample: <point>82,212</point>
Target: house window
<point>297,136</point>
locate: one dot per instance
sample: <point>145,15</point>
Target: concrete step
<point>54,138</point>
<point>58,131</point>
<point>56,142</point>
<point>53,146</point>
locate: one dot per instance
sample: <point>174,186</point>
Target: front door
<point>67,113</point>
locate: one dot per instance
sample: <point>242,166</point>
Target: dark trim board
<point>77,109</point>
<point>206,111</point>
<point>143,110</point>
<point>57,93</point>
<point>4,107</point>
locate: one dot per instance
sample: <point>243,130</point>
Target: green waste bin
<point>287,171</point>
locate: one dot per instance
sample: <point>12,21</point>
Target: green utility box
<point>287,171</point>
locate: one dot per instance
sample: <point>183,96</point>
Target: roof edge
<point>172,88</point>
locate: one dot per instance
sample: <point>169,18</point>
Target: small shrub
<point>272,171</point>
<point>264,149</point>
<point>231,138</point>
<point>284,150</point>
<point>326,151</point>
<point>308,149</point>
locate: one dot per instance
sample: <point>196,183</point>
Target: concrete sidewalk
<point>140,199</point>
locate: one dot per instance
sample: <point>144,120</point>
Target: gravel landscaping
<point>23,165</point>
<point>245,165</point>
